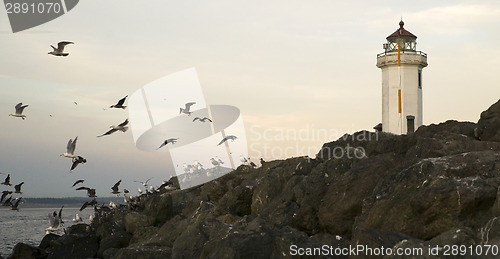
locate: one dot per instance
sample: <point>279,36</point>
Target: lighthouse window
<point>419,79</point>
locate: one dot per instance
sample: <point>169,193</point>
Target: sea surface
<point>28,225</point>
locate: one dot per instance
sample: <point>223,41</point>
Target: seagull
<point>77,218</point>
<point>115,187</point>
<point>60,48</point>
<point>202,119</point>
<point>214,162</point>
<point>16,204</point>
<point>230,137</point>
<point>166,142</point>
<point>90,192</point>
<point>121,126</point>
<point>125,191</point>
<point>7,181</point>
<point>19,111</point>
<point>4,194</point>
<point>7,202</point>
<point>18,188</point>
<point>186,109</point>
<point>77,160</point>
<point>187,167</point>
<point>120,103</point>
<point>139,190</point>
<point>70,148</point>
<point>88,203</point>
<point>145,184</point>
<point>219,160</point>
<point>251,163</point>
<point>54,221</point>
<point>243,159</point>
<point>77,182</point>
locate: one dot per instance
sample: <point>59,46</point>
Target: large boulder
<point>488,126</point>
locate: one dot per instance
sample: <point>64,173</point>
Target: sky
<point>302,73</point>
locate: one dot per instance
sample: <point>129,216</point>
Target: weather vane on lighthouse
<point>401,66</point>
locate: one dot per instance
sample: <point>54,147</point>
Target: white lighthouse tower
<point>401,66</point>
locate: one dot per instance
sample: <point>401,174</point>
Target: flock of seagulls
<point>55,218</point>
<point>11,201</point>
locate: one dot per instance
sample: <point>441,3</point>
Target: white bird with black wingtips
<point>59,51</point>
<point>19,111</point>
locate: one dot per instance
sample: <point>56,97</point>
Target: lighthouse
<point>401,66</point>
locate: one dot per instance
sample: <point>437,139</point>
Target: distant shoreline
<point>69,202</point>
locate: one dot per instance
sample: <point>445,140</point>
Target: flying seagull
<point>4,194</point>
<point>90,192</point>
<point>202,119</point>
<point>77,160</point>
<point>120,103</point>
<point>88,203</point>
<point>15,203</point>
<point>186,109</point>
<point>170,140</point>
<point>70,148</point>
<point>7,202</point>
<point>60,48</point>
<point>115,187</point>
<point>7,181</point>
<point>18,188</point>
<point>230,137</point>
<point>145,184</point>
<point>77,182</point>
<point>19,111</point>
<point>121,126</point>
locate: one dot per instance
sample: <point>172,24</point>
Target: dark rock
<point>25,251</point>
<point>136,220</point>
<point>488,126</point>
<point>117,240</point>
<point>74,246</point>
<point>436,187</point>
<point>144,252</point>
<point>47,239</point>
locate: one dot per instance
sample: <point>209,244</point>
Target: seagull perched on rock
<point>115,187</point>
<point>77,218</point>
<point>202,119</point>
<point>7,181</point>
<point>214,162</point>
<point>120,103</point>
<point>59,51</point>
<point>70,148</point>
<point>230,137</point>
<point>243,159</point>
<point>168,141</point>
<point>122,127</point>
<point>77,160</point>
<point>187,108</point>
<point>19,111</point>
<point>219,160</point>
<point>18,188</point>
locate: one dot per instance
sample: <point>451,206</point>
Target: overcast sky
<point>295,69</point>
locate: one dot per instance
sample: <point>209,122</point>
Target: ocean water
<point>28,225</point>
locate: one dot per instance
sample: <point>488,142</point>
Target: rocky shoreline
<point>435,188</point>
